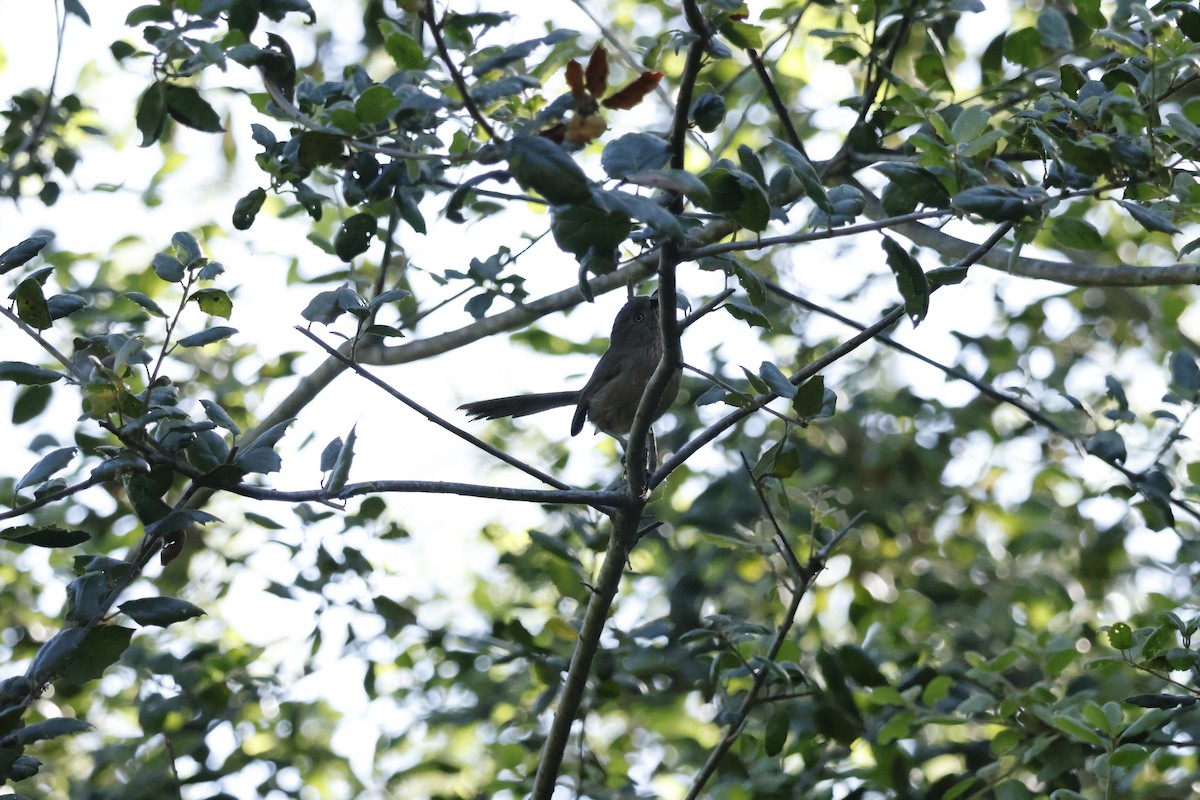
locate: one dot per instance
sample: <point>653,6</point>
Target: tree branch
<point>620,542</point>
<point>1066,272</point>
<point>426,14</point>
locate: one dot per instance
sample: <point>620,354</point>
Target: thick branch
<point>1066,272</point>
<point>620,541</point>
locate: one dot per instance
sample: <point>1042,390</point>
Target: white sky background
<point>395,443</point>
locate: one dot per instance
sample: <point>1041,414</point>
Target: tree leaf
<point>247,208</point>
<point>46,536</point>
<point>31,304</point>
<point>804,171</point>
<point>341,466</point>
<point>776,380</point>
<point>355,236</point>
<point>910,280</point>
<point>544,167</point>
<point>145,302</point>
<point>51,729</point>
<point>22,253</point>
<point>207,337</point>
<point>151,115</point>
<point>738,196</point>
<point>47,466</point>
<point>214,302</point>
<point>634,153</point>
<point>187,107</point>
<point>27,374</point>
<point>1149,219</point>
<point>1184,371</point>
<point>160,611</point>
<point>1107,445</point>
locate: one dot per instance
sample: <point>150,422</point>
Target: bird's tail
<point>519,405</point>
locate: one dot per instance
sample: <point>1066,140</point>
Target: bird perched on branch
<point>610,397</point>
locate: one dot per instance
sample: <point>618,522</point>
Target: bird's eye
<point>639,317</point>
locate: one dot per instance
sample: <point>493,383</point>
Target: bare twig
<point>432,417</point>
<point>29,331</point>
<point>455,75</point>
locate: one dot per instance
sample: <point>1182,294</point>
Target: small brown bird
<point>610,397</point>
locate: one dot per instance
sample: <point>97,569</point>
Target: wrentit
<point>610,397</point>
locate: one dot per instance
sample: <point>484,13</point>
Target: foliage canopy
<point>859,570</point>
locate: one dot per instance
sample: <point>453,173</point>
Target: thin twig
<point>434,418</point>
<point>456,76</point>
<point>29,331</point>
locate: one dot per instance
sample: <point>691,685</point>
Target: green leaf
<point>781,460</point>
<point>341,466</point>
<point>31,304</point>
<point>708,112</point>
<point>51,729</point>
<point>1184,371</point>
<point>145,302</point>
<point>167,267</point>
<point>1149,219</point>
<point>970,123</point>
<point>47,466</point>
<point>1077,729</point>
<point>187,107</point>
<point>910,280</point>
<point>806,174</point>
<point>219,417</point>
<point>405,51</point>
<point>101,648</point>
<point>187,249</point>
<point>811,399</point>
<point>1054,31</point>
<point>736,195</point>
<point>646,210</point>
<point>847,201</point>
<point>776,380</point>
<point>260,456</point>
<point>323,308</point>
<point>376,104</point>
<point>151,115</point>
<point>27,374</point>
<point>176,521</point>
<point>47,536</point>
<point>1076,233</point>
<point>1001,203</point>
<point>583,230</point>
<point>1024,47</point>
<point>214,302</point>
<point>1120,636</point>
<point>1107,445</point>
<point>542,166</point>
<point>747,312</point>
<point>160,611</point>
<point>1162,700</point>
<point>775,736</point>
<point>247,208</point>
<point>207,337</point>
<point>22,253</point>
<point>634,153</point>
<point>355,236</point>
<point>319,148</point>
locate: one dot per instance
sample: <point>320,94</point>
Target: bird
<point>610,397</point>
